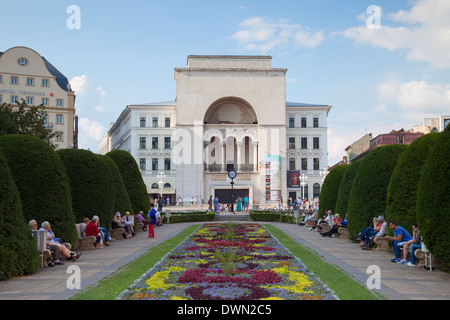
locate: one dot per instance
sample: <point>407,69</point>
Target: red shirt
<point>92,230</point>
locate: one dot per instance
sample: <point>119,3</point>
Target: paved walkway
<point>398,282</point>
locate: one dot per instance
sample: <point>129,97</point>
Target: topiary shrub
<point>18,252</point>
<point>330,189</point>
<point>132,178</point>
<point>433,199</point>
<point>345,188</point>
<point>122,201</point>
<point>369,189</point>
<point>42,184</point>
<point>402,190</point>
<point>91,185</point>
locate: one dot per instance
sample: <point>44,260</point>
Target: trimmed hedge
<point>132,178</point>
<point>272,216</point>
<point>402,190</point>
<point>122,201</point>
<point>345,187</point>
<point>42,184</point>
<point>189,217</point>
<point>433,200</point>
<point>369,189</point>
<point>18,252</point>
<point>91,185</point>
<point>330,189</point>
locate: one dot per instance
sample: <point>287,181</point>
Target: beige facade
<point>24,74</point>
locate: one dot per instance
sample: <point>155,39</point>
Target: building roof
<point>164,103</point>
<point>298,104</point>
<point>60,78</point>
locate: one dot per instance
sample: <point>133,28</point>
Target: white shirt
<point>382,231</point>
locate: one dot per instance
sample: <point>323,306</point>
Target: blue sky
<point>125,53</point>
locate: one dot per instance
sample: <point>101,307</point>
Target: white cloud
<point>99,109</point>
<point>90,134</point>
<point>79,83</point>
<point>263,34</point>
<point>424,35</point>
<point>102,92</point>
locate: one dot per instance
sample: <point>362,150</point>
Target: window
<point>316,122</point>
<point>22,61</point>
<point>59,136</point>
<point>59,119</point>
<point>154,142</point>
<point>304,142</point>
<point>30,101</point>
<point>304,164</point>
<point>14,99</point>
<point>155,122</point>
<point>1,78</point>
<point>167,143</point>
<point>155,186</point>
<point>291,123</point>
<point>303,122</point>
<point>304,192</point>
<point>143,122</point>
<point>45,102</point>
<point>401,139</point>
<point>291,143</point>
<point>316,143</point>
<point>143,164</point>
<point>316,164</point>
<point>291,163</point>
<point>1,98</point>
<point>142,143</point>
<point>167,164</point>
<point>45,82</point>
<point>59,102</point>
<point>167,122</point>
<point>45,117</point>
<point>167,185</point>
<point>155,164</point>
<point>316,190</point>
<point>30,82</point>
<point>14,80</point>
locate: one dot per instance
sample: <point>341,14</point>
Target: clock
<point>232,174</point>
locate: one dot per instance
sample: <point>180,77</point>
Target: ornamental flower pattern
<point>229,262</point>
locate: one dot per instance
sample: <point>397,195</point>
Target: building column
<point>224,160</point>
<point>239,146</point>
<point>255,155</point>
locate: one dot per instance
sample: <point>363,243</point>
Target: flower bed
<point>229,262</point>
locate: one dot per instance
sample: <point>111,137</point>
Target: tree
<point>42,184</point>
<point>369,189</point>
<point>91,185</point>
<point>346,186</point>
<point>28,120</point>
<point>330,190</point>
<point>18,252</point>
<point>402,190</point>
<point>132,178</point>
<point>433,199</point>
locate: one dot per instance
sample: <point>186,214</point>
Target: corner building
<point>230,112</point>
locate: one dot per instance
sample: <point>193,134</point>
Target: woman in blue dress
<point>239,204</point>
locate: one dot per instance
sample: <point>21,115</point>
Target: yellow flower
<point>272,298</point>
<point>178,298</point>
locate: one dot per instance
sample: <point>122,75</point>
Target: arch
<point>155,186</point>
<point>167,185</point>
<point>211,133</point>
<point>231,110</point>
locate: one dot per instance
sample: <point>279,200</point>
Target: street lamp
<point>303,179</point>
<point>161,176</point>
<point>324,172</point>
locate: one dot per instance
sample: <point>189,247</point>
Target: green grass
<point>110,287</point>
<point>345,287</point>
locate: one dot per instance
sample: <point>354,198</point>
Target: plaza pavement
<point>398,282</point>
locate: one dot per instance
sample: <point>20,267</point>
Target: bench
<point>40,238</point>
<point>381,244</point>
<point>342,233</point>
<point>84,243</point>
<point>116,234</point>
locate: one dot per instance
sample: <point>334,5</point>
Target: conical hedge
<point>433,199</point>
<point>42,184</point>
<point>91,185</point>
<point>345,187</point>
<point>132,178</point>
<point>330,189</point>
<point>122,201</point>
<point>18,252</point>
<point>369,189</point>
<point>402,190</point>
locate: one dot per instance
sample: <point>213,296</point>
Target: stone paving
<point>398,282</point>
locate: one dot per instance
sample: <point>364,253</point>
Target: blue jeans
<point>367,233</point>
<point>396,249</point>
<point>413,248</point>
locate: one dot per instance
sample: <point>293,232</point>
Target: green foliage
<point>42,184</point>
<point>24,119</point>
<point>91,185</point>
<point>402,190</point>
<point>369,189</point>
<point>330,189</point>
<point>433,201</point>
<point>18,252</point>
<point>132,178</point>
<point>121,199</point>
<point>345,188</point>
<point>272,216</point>
<point>189,217</point>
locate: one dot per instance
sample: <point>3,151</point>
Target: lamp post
<point>161,176</point>
<point>303,179</point>
<point>232,175</point>
<point>324,172</point>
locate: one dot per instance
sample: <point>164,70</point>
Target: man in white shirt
<point>378,230</point>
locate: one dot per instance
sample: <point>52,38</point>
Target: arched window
<point>304,193</point>
<point>155,186</point>
<point>167,185</point>
<point>316,190</point>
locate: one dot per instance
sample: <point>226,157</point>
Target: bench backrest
<point>40,238</point>
<point>80,229</point>
<point>131,218</point>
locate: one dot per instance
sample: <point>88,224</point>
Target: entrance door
<point>225,194</point>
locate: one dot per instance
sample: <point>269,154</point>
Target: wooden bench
<point>84,243</point>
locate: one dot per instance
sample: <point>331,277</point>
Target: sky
<point>382,65</point>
